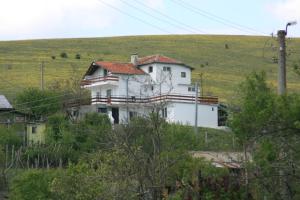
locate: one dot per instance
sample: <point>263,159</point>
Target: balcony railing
<point>90,81</point>
<point>153,99</point>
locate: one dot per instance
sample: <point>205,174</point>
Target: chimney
<point>134,58</point>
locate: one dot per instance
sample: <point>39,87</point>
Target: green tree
<point>38,103</point>
<point>267,126</point>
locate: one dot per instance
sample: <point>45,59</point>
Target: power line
<point>39,106</point>
<point>216,18</point>
<point>182,25</point>
<point>132,16</point>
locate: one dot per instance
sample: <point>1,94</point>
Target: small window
<point>183,74</point>
<point>164,113</point>
<point>150,69</point>
<point>132,115</point>
<point>191,89</point>
<point>212,109</point>
<point>102,110</point>
<point>33,129</point>
<point>152,87</point>
<point>105,72</point>
<point>98,95</point>
<point>108,93</point>
<point>166,69</point>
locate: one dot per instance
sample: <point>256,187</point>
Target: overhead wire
<point>169,17</point>
<point>216,18</point>
<point>170,21</point>
<point>134,17</point>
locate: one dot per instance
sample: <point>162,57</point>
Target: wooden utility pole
<point>282,62</point>
<point>196,107</point>
<point>42,76</point>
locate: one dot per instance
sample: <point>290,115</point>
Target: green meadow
<point>224,61</point>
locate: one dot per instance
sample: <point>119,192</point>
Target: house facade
<point>147,84</point>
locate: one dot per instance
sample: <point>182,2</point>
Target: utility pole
<point>42,76</point>
<point>282,59</point>
<point>196,107</point>
<point>282,62</point>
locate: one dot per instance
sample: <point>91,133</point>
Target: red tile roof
<point>120,68</point>
<point>129,68</point>
<point>157,58</point>
<point>160,59</point>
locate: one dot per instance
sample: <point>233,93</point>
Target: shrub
<point>64,55</point>
<point>77,56</point>
<point>31,184</point>
<point>53,57</point>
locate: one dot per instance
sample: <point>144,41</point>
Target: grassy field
<point>222,68</point>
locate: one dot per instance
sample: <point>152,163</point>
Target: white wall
<point>185,114</point>
<point>169,82</point>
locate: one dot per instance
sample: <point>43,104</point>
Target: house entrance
<point>115,115</point>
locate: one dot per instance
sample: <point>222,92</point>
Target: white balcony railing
<point>153,99</point>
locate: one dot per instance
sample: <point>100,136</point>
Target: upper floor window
<point>183,74</point>
<point>164,113</point>
<point>150,69</point>
<point>108,93</point>
<point>166,69</point>
<point>152,87</point>
<point>105,72</point>
<point>191,89</point>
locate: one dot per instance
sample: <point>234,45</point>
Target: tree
<point>268,127</point>
<point>38,103</point>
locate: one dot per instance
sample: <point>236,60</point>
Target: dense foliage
<point>268,127</point>
<point>38,103</point>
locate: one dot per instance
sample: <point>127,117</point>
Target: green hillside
<point>223,68</point>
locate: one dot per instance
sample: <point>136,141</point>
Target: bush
<point>32,184</point>
<point>77,56</point>
<point>9,137</point>
<point>53,57</point>
<point>64,55</point>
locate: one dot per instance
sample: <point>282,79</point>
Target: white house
<point>125,90</point>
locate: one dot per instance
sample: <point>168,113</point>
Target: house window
<point>152,87</point>
<point>108,93</point>
<point>105,72</point>
<point>132,115</point>
<point>98,95</point>
<point>33,129</point>
<point>183,74</point>
<point>102,110</point>
<point>191,89</point>
<point>164,113</point>
<point>166,69</point>
<point>212,109</point>
<point>150,69</point>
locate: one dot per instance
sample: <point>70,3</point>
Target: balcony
<point>98,81</point>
